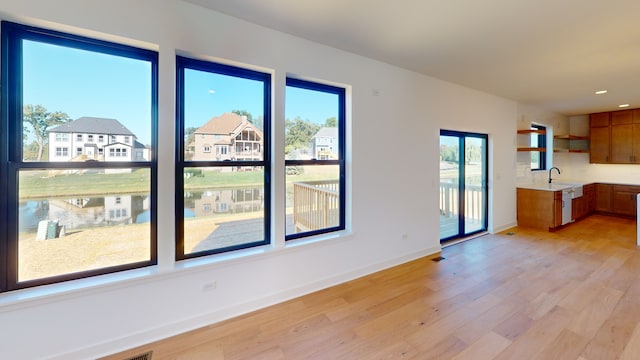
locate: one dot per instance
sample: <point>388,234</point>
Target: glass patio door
<point>463,184</point>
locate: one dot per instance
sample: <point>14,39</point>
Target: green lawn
<point>41,184</point>
<point>47,184</point>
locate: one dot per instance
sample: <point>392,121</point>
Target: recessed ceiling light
<point>623,105</point>
<point>600,92</point>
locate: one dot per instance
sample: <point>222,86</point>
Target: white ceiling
<point>549,53</point>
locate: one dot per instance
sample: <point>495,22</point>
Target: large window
<point>222,197</point>
<point>56,207</point>
<point>314,158</point>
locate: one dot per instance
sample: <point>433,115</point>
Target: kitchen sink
<point>574,188</point>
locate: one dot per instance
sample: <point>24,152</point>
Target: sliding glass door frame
<point>461,203</point>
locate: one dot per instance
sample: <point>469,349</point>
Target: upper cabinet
<point>600,137</point>
<point>615,137</point>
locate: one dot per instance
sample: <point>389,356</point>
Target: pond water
<point>98,211</point>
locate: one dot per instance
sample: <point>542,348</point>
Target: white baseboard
<point>497,229</point>
<point>164,331</point>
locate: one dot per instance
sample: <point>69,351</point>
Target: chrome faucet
<point>550,173</point>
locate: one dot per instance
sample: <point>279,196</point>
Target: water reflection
<point>224,201</point>
<point>82,212</point>
<point>98,211</point>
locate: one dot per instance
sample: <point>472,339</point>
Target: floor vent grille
<point>511,233</point>
<point>437,259</point>
<point>145,356</point>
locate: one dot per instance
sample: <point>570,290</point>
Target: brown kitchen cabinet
<point>616,199</point>
<point>615,137</point>
<point>622,146</point>
<point>624,199</point>
<point>599,137</point>
<point>625,137</point>
<point>584,205</point>
<point>603,201</point>
<point>539,209</point>
<point>589,191</point>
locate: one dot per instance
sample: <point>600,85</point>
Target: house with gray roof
<point>324,144</point>
<point>94,139</point>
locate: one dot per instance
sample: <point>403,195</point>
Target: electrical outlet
<point>210,286</point>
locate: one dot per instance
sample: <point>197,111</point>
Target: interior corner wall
<point>393,171</point>
<point>557,124</point>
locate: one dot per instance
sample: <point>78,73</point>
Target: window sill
<point>205,262</point>
<point>14,300</point>
<point>317,239</point>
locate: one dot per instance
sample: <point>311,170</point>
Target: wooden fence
<point>316,205</point>
<point>473,197</point>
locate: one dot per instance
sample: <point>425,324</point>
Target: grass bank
<point>47,184</point>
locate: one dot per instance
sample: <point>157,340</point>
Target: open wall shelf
<point>531,131</point>
<point>532,149</point>
<point>571,143</point>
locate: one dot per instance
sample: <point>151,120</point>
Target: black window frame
<point>461,203</point>
<point>11,158</point>
<point>542,144</point>
<point>341,161</point>
<point>183,63</point>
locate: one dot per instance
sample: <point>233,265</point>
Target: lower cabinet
<point>542,209</point>
<point>584,205</point>
<point>604,194</point>
<point>617,199</point>
<point>539,208</point>
<point>624,199</point>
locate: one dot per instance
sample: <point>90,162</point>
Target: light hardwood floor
<point>571,294</point>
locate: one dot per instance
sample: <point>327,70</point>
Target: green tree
<point>189,141</point>
<point>449,153</point>
<point>41,120</point>
<point>258,122</point>
<point>30,151</point>
<point>299,133</point>
<point>473,154</point>
<point>189,135</point>
<point>331,122</point>
<point>244,113</point>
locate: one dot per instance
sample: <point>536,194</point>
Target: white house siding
<point>92,146</point>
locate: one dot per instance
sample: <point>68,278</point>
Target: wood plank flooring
<point>571,294</point>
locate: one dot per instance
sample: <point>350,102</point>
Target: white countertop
<point>559,184</point>
<point>554,186</point>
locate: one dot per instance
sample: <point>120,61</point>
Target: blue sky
<point>82,83</point>
<point>208,95</point>
<point>310,105</point>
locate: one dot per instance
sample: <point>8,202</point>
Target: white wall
<point>393,189</point>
